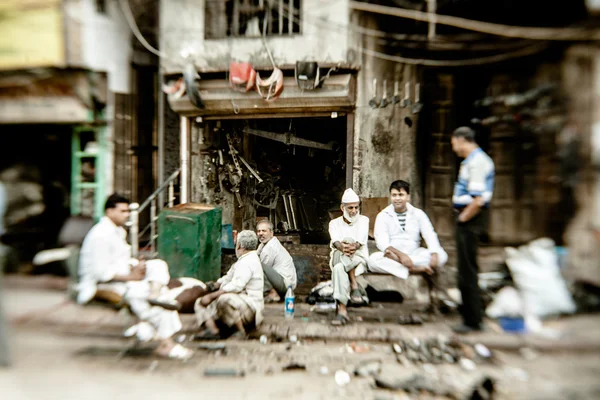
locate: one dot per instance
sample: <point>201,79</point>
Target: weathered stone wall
<point>182,30</point>
<point>582,81</point>
<point>385,140</point>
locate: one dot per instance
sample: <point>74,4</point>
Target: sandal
<point>207,335</point>
<point>270,299</point>
<point>340,320</point>
<point>356,296</point>
<point>178,352</point>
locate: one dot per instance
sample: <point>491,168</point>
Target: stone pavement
<point>41,301</point>
<point>64,351</point>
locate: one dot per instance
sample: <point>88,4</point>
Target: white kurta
<point>388,232</point>
<point>359,231</point>
<point>245,278</point>
<point>274,255</point>
<point>106,254</point>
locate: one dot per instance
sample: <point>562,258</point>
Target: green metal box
<point>189,241</point>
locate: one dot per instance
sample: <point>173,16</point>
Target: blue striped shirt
<point>475,179</point>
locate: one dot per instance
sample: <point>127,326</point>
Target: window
<point>247,18</point>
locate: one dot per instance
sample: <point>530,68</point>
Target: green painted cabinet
<point>189,241</point>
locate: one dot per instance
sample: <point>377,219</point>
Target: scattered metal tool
<point>384,99</point>
<point>373,103</point>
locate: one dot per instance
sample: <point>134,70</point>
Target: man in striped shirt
<point>472,195</point>
<point>398,231</point>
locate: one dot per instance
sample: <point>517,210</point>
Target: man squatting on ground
<point>278,266</point>
<point>105,264</point>
<point>238,299</point>
<point>349,253</point>
<point>472,195</point>
<point>398,231</point>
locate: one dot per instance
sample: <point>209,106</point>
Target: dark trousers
<point>467,238</point>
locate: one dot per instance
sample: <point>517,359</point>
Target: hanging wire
<point>441,63</point>
<point>480,26</point>
<point>136,31</point>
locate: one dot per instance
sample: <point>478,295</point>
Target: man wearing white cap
<point>349,234</point>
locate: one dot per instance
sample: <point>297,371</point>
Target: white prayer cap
<point>350,197</point>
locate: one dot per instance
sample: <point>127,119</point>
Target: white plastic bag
<point>507,303</point>
<point>534,268</point>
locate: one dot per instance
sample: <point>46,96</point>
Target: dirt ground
<point>64,352</point>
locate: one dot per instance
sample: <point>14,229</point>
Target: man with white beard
<point>349,253</point>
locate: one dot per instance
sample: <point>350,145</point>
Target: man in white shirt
<point>349,253</point>
<point>398,231</point>
<point>238,299</point>
<point>278,266</point>
<point>105,265</point>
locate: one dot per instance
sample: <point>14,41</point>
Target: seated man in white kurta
<point>238,300</point>
<point>277,263</point>
<point>349,253</point>
<point>398,231</point>
<point>105,265</point>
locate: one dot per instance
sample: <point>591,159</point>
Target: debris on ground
<point>223,372</point>
<point>368,368</point>
<point>438,350</point>
<point>410,319</point>
<point>342,378</point>
<point>211,346</point>
<point>355,348</point>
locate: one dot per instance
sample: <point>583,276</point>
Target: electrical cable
<point>136,31</point>
<point>529,50</point>
<point>480,26</point>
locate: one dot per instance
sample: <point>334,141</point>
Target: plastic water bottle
<point>289,303</point>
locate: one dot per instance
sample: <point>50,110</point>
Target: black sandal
<point>207,335</point>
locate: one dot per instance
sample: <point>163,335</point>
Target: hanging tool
<point>190,74</point>
<point>384,99</point>
<point>287,211</point>
<point>252,171</point>
<point>373,103</point>
<point>406,102</point>
<point>418,105</point>
<point>234,157</point>
<point>396,96</point>
<point>289,139</point>
<point>290,198</point>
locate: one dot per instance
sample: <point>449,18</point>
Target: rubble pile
<point>438,350</point>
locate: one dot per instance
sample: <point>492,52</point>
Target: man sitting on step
<point>398,231</point>
<point>277,264</point>
<point>238,300</point>
<point>106,267</point>
<point>349,253</point>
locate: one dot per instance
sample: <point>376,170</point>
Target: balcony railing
<point>246,18</point>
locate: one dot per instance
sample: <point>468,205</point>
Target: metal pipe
<point>185,159</point>
<point>287,211</point>
<point>162,186</point>
<point>134,229</point>
<point>161,138</point>
<point>291,10</point>
<point>153,219</point>
<point>431,9</point>
<point>171,195</point>
<point>292,211</point>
